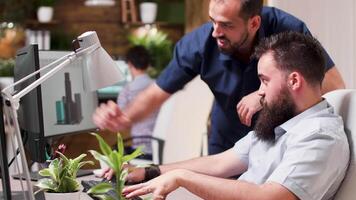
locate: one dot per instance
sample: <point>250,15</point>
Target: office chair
<point>344,103</point>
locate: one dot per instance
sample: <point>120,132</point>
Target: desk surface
<point>179,194</point>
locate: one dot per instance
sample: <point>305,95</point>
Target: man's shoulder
<point>323,125</point>
<point>275,20</point>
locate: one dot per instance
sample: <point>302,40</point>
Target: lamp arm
<point>5,90</point>
<point>67,60</point>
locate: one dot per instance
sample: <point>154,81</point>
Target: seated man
<point>298,149</point>
<point>138,61</point>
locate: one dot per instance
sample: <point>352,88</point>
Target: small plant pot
<point>148,12</point>
<point>64,196</point>
<point>45,14</point>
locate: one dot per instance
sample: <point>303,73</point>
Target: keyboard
<point>89,184</point>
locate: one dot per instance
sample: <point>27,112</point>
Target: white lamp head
<point>101,70</point>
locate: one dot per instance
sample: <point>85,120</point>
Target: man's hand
<point>109,116</point>
<point>136,174</point>
<point>160,187</point>
<point>247,107</point>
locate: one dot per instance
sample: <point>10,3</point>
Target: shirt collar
<point>280,130</point>
<point>141,76</point>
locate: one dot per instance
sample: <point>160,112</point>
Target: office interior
<point>184,121</point>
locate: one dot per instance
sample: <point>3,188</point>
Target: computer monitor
<point>58,106</point>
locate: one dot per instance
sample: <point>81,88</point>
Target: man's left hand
<point>247,107</point>
<point>160,187</point>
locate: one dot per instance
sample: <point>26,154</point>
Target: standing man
<point>220,52</point>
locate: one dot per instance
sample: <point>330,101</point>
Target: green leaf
<point>101,157</point>
<point>120,144</point>
<point>133,155</point>
<point>64,158</point>
<point>115,159</point>
<point>104,147</point>
<point>44,172</point>
<point>122,179</point>
<point>68,184</point>
<point>54,169</point>
<point>81,164</point>
<point>100,188</point>
<point>47,184</point>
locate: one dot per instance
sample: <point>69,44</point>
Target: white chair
<point>344,103</point>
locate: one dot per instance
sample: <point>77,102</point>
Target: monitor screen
<point>67,107</point>
<point>58,106</point>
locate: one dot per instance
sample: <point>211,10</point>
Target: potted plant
<point>45,10</point>
<point>159,47</point>
<point>115,159</point>
<point>148,11</point>
<point>62,173</point>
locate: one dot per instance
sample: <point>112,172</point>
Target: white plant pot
<point>44,14</point>
<point>148,12</point>
<point>62,196</point>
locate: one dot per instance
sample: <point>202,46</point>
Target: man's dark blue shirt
<point>229,79</point>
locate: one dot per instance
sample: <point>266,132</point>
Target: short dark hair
<point>250,8</point>
<point>294,51</point>
<point>139,57</point>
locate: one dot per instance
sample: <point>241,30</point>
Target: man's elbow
<point>332,81</point>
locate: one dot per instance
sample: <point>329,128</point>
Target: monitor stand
<point>34,176</point>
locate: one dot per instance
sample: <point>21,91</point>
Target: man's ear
<point>294,80</point>
<point>254,23</point>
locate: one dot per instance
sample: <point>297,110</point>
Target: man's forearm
<point>212,188</point>
<point>332,81</point>
<point>225,164</point>
<point>146,102</point>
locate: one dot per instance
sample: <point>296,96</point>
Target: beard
<point>233,47</point>
<point>273,115</point>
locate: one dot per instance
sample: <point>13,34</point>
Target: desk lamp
<point>99,71</point>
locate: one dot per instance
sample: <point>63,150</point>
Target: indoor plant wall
<point>159,47</point>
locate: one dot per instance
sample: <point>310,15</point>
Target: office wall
<point>334,24</point>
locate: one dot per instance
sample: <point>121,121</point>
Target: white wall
<point>334,24</point>
<point>182,121</point>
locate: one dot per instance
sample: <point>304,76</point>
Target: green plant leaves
<point>133,155</point>
<point>62,173</point>
<point>101,157</point>
<point>115,160</point>
<point>46,184</point>
<point>159,47</point>
<point>100,188</point>
<point>104,147</point>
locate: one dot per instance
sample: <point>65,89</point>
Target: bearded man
<point>297,150</point>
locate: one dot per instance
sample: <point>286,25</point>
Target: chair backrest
<point>344,103</point>
<point>182,122</point>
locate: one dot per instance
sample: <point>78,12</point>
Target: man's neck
<point>307,100</point>
<point>244,53</point>
<point>136,73</point>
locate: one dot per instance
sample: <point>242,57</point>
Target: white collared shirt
<point>310,155</point>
